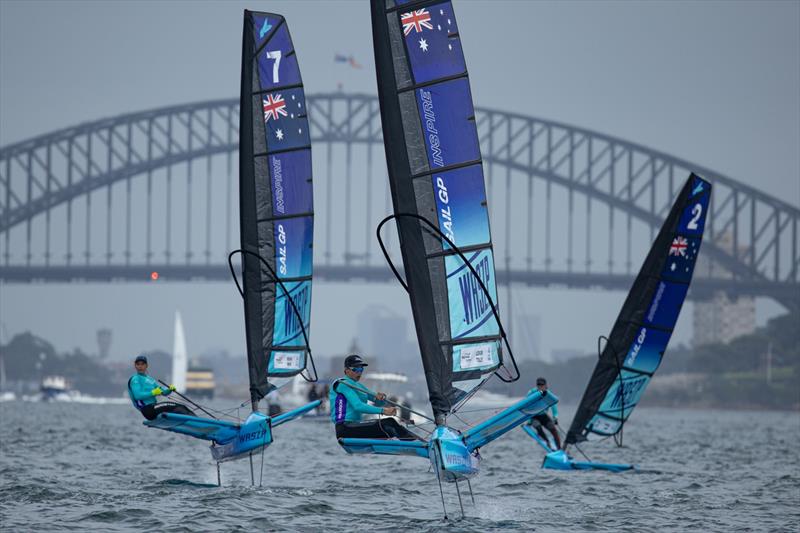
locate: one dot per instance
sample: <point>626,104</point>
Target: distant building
<point>721,318</point>
<point>103,342</point>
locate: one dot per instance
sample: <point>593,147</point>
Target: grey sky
<point>717,83</point>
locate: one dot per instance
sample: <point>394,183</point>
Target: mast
<point>275,205</point>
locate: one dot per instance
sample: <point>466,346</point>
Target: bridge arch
<point>563,200</point>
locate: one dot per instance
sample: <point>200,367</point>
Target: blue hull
<point>230,440</point>
<point>450,457</point>
<point>559,460</point>
<point>254,434</point>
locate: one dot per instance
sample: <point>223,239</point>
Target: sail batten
<point>276,204</point>
<point>438,195</point>
<point>640,335</point>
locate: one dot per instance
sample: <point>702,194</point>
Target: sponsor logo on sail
<point>473,297</point>
<point>656,300</point>
<point>291,319</point>
<point>264,29</point>
<point>282,254</point>
<point>429,116</point>
<point>628,392</point>
<point>446,217</point>
<point>636,347</point>
<point>277,180</point>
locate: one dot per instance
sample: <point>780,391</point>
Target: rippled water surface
<point>95,467</point>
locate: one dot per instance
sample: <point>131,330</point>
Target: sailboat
<point>180,357</point>
<point>276,226</point>
<point>441,214</point>
<point>639,338</point>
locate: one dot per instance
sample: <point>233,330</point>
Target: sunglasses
<point>357,369</point>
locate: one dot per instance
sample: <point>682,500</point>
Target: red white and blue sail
<point>644,326</point>
<point>435,172</point>
<point>276,204</point>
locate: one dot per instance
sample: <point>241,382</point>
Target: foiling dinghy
<point>441,214</point>
<point>639,337</point>
<point>276,225</point>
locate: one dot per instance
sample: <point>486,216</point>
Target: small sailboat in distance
<point>276,225</point>
<point>640,335</point>
<point>180,357</point>
<point>441,213</point>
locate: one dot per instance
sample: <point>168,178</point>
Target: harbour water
<point>68,467</point>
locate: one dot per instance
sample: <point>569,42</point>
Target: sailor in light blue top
<point>349,401</point>
<point>543,419</point>
<point>144,391</point>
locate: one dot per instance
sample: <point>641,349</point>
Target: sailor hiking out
<point>144,391</point>
<point>349,402</point>
<point>543,420</point>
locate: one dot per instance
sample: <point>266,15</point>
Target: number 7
<point>276,55</point>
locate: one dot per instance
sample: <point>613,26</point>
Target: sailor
<point>349,401</point>
<point>543,419</point>
<point>144,390</point>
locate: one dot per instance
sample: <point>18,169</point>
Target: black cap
<point>353,361</point>
<point>140,358</point>
<point>541,381</point>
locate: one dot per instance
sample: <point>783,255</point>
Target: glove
<point>555,421</point>
<point>157,391</point>
<point>172,388</point>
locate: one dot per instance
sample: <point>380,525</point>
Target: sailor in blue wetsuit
<point>144,390</point>
<point>349,401</point>
<point>543,419</point>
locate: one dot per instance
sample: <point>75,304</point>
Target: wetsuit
<point>544,419</point>
<point>140,390</point>
<point>348,399</point>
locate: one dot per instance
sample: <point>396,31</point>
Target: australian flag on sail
<point>285,119</point>
<point>432,41</point>
<point>681,258</point>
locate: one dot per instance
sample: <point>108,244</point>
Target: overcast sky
<point>716,83</point>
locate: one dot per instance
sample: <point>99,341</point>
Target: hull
<point>254,434</point>
<point>560,460</point>
<point>451,459</point>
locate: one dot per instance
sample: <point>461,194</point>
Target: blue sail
<point>438,193</point>
<point>276,204</point>
<point>644,326</point>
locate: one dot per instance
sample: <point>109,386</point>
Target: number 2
<point>697,210</point>
<point>276,55</point>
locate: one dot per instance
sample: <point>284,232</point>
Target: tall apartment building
<point>721,318</point>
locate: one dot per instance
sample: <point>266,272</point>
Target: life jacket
<point>338,404</point>
<point>138,404</point>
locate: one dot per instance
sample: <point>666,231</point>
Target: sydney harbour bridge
<point>154,194</point>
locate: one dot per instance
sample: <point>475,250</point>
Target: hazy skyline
<point>715,83</point>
